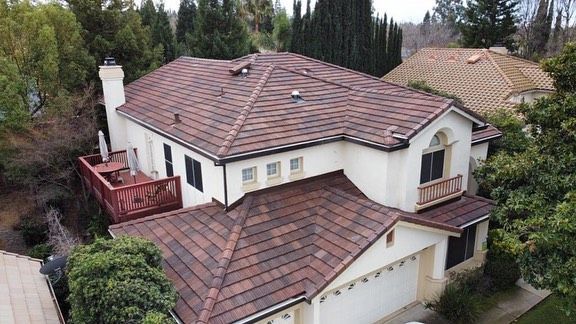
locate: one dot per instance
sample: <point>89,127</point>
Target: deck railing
<point>436,190</point>
<point>131,201</point>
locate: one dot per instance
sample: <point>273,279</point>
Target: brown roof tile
<point>226,113</point>
<point>484,84</point>
<point>279,243</point>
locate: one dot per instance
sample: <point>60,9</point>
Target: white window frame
<point>273,175</point>
<point>253,179</point>
<point>299,170</point>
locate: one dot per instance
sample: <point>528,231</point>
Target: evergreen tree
<point>186,18</point>
<point>162,34</point>
<point>489,22</point>
<point>219,33</point>
<point>296,43</point>
<point>148,13</point>
<point>541,28</point>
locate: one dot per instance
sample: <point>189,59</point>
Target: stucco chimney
<point>499,49</point>
<point>112,78</point>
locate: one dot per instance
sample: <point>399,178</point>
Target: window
<point>273,170</point>
<point>194,173</point>
<point>168,159</point>
<point>461,248</point>
<point>249,175</point>
<point>390,239</point>
<point>296,165</point>
<point>433,162</point>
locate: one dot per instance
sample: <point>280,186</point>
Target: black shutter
<point>189,170</point>
<point>168,159</point>
<point>437,165</point>
<point>198,176</point>
<point>425,170</point>
<point>471,240</point>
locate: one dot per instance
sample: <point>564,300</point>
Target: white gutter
<point>478,220</point>
<point>272,310</point>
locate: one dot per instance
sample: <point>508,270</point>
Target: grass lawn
<point>546,312</point>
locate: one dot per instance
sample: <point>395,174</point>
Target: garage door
<point>372,297</point>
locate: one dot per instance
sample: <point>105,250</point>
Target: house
<point>484,79</point>
<point>311,193</point>
<point>27,295</point>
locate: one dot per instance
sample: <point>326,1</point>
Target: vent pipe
<point>296,96</point>
<point>244,73</point>
<point>177,119</point>
<point>109,61</point>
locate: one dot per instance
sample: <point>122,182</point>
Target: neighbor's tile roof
<point>227,114</point>
<point>279,243</point>
<point>483,134</point>
<point>25,296</point>
<point>483,86</point>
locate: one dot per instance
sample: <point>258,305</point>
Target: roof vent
<point>452,58</point>
<point>109,61</point>
<point>177,119</point>
<point>296,97</point>
<point>244,73</point>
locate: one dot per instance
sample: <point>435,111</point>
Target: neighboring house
<point>26,296</point>
<point>484,79</point>
<point>312,193</point>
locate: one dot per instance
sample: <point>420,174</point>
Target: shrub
<point>34,230</point>
<point>40,251</point>
<point>118,281</point>
<point>501,266</point>
<point>456,303</point>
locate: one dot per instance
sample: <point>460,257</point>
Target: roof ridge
<point>226,256</point>
<point>194,58</point>
<point>225,147</point>
<point>488,55</point>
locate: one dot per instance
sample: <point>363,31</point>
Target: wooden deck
<point>130,198</point>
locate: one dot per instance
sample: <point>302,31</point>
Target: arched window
<point>433,160</point>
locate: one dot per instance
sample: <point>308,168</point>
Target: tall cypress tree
<point>162,34</point>
<point>186,18</point>
<point>296,43</point>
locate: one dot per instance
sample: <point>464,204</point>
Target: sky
<point>400,10</point>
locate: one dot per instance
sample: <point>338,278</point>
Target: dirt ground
<point>12,206</point>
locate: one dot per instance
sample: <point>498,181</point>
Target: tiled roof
<point>483,86</point>
<point>460,212</point>
<point>279,243</point>
<point>483,134</point>
<point>226,114</point>
<point>25,296</point>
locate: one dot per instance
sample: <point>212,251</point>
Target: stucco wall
<point>212,178</point>
<point>528,96</point>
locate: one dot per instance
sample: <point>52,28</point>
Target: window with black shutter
<point>461,248</point>
<point>432,166</point>
<point>194,173</point>
<point>168,160</point>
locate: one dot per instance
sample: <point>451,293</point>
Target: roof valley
<point>223,263</point>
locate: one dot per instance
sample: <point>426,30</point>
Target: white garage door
<point>372,297</point>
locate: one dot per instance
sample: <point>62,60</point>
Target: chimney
<point>112,78</point>
<point>499,49</point>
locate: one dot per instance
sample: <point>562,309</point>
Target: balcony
<point>124,197</point>
<point>439,191</point>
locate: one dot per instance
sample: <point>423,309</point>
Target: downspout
<point>225,188</point>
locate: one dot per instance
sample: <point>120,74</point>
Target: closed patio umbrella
<point>103,147</point>
<point>133,162</point>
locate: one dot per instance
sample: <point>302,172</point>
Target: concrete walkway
<point>505,312</point>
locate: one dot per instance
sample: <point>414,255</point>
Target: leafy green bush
<point>34,230</point>
<point>40,251</point>
<point>117,281</point>
<point>501,266</point>
<point>457,303</point>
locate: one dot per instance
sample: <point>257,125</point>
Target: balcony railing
<point>439,190</point>
<point>126,201</point>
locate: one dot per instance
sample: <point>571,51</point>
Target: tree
<point>43,59</point>
<point>282,30</point>
<point>296,43</point>
<point>541,28</point>
<point>114,28</point>
<point>449,13</point>
<point>148,13</point>
<point>162,34</point>
<point>118,281</point>
<point>219,33</point>
<point>489,22</point>
<point>536,188</point>
<point>257,11</point>
<point>186,19</point>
